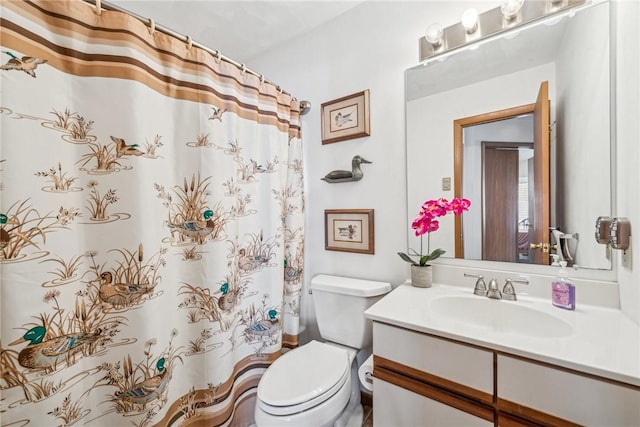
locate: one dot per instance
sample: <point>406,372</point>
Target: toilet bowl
<point>308,386</point>
<point>317,384</point>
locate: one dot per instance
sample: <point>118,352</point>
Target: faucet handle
<point>480,287</point>
<point>509,291</point>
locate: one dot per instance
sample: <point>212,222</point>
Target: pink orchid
<point>457,206</point>
<point>435,208</point>
<point>425,223</point>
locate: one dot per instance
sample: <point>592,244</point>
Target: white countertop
<point>599,341</point>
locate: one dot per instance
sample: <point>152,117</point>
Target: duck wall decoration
<point>355,174</point>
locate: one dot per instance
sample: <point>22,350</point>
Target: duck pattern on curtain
<point>151,224</point>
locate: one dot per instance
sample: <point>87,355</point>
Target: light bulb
<point>433,34</point>
<point>470,20</point>
<point>511,8</point>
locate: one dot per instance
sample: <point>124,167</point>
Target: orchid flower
<point>425,223</point>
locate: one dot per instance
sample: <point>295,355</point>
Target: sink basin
<point>499,316</point>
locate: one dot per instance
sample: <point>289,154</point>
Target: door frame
<point>458,127</point>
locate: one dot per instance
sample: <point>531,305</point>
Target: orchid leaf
<point>436,253</point>
<point>406,258</point>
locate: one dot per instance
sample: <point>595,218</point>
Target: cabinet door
<point>441,359</point>
<point>534,391</point>
<point>397,407</point>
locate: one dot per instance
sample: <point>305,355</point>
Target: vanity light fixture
<point>511,8</point>
<point>433,34</point>
<point>469,20</point>
<point>475,27</point>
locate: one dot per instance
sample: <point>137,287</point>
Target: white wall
<point>580,65</point>
<point>369,48</point>
<point>627,178</point>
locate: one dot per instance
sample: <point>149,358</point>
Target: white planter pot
<point>421,277</point>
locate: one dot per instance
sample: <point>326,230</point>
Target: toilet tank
<point>340,303</point>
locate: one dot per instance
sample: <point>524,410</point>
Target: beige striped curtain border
<point>226,393</point>
<point>207,75</point>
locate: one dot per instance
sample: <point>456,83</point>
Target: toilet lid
<point>311,373</point>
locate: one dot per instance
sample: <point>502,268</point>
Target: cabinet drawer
<point>564,394</point>
<point>403,408</point>
<point>458,363</point>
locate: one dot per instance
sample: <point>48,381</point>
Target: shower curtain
<point>151,223</point>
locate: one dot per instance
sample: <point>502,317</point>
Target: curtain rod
<point>99,5</point>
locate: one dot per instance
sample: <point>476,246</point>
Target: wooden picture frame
<point>349,230</point>
<point>345,118</point>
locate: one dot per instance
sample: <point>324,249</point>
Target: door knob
<point>542,245</point>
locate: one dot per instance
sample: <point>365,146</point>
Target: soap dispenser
<point>563,292</point>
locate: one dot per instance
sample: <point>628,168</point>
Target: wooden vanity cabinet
<point>424,380</point>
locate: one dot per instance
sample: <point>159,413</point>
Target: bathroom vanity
<point>446,357</point>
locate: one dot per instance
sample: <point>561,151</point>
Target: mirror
<point>470,121</point>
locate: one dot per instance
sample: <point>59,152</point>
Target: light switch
<point>446,184</point>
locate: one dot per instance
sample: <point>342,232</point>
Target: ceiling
<point>240,29</point>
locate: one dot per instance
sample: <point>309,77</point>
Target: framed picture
<point>345,118</point>
<point>349,230</point>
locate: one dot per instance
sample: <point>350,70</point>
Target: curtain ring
<point>152,26</point>
<point>261,79</point>
<point>99,7</point>
<point>189,42</point>
<point>218,56</point>
<point>243,68</point>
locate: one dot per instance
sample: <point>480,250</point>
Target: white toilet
<point>317,384</point>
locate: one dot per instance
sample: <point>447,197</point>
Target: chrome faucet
<point>509,291</point>
<point>494,292</point>
<point>480,288</point>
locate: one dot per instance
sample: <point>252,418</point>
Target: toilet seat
<point>303,378</point>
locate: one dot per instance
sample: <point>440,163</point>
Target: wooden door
<point>500,199</point>
<point>540,236</point>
